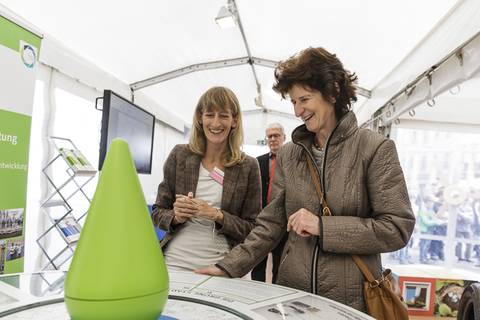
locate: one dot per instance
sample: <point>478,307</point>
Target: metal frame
<point>217,65</point>
<point>270,111</point>
<point>62,202</point>
<point>249,59</point>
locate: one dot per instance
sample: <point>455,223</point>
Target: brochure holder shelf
<point>67,173</point>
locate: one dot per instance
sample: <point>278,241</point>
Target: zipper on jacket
<point>314,272</point>
<point>284,258</point>
<point>314,269</point>
<point>315,254</point>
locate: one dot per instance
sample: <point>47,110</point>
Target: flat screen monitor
<point>123,119</point>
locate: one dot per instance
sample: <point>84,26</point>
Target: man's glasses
<point>273,136</point>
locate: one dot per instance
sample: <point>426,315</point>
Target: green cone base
<point>141,308</point>
<point>118,270</point>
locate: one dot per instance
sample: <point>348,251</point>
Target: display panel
<point>123,119</point>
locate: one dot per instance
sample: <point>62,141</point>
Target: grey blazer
<point>241,197</point>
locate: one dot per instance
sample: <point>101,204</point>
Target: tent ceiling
<point>137,40</point>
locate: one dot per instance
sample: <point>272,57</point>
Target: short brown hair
<point>320,70</point>
<point>223,99</point>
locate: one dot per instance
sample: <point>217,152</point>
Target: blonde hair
<point>218,99</point>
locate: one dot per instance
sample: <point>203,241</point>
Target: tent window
<point>442,170</point>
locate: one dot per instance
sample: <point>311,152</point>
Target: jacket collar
<point>345,128</point>
<point>192,168</point>
<point>230,179</point>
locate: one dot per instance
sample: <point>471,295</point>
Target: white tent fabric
<point>458,26</point>
<point>136,40</point>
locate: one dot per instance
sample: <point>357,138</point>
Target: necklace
<point>315,144</point>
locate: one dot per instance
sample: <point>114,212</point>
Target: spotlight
<point>226,17</point>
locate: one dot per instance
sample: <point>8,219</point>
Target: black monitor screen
<point>123,119</point>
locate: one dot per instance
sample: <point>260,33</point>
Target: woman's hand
<point>207,211</point>
<point>304,223</point>
<point>184,208</point>
<point>211,270</point>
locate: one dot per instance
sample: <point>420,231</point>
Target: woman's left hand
<point>207,211</point>
<point>304,223</point>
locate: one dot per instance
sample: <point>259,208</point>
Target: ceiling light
<point>226,16</point>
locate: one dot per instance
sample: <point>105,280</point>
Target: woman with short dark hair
<point>359,175</point>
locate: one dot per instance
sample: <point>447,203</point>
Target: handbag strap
<point>325,209</point>
<point>363,267</point>
<point>326,212</point>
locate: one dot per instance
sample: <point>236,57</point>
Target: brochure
<point>69,228</point>
<point>77,161</point>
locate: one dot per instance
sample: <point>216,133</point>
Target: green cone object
<point>118,270</point>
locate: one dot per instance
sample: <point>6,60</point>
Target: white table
<point>40,296</point>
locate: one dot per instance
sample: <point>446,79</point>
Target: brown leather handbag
<point>381,300</point>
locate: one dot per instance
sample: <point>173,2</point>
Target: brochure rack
<point>72,171</point>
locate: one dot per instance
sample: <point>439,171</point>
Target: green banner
<point>19,51</point>
<point>12,34</point>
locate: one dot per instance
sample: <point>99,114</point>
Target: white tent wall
<point>57,56</point>
<point>438,126</point>
<point>254,125</point>
<point>459,25</point>
<point>68,63</point>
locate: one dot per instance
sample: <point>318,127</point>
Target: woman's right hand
<point>211,270</point>
<point>184,208</point>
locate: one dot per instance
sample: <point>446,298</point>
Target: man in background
<point>275,135</point>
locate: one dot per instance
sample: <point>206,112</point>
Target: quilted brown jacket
<point>241,197</point>
<point>365,188</point>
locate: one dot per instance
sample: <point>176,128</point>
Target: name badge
<point>217,175</point>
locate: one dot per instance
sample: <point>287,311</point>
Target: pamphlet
<point>77,161</point>
<point>69,228</point>
<point>310,307</point>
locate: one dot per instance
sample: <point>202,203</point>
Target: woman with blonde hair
<point>211,192</point>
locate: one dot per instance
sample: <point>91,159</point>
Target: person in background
<point>437,247</point>
<point>426,220</point>
<point>210,194</point>
<point>475,192</point>
<point>275,135</point>
<point>360,177</point>
<point>465,220</point>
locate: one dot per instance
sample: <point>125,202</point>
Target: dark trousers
<point>258,273</point>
